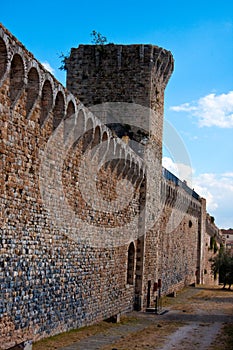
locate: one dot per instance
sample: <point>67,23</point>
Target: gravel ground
<point>193,320</point>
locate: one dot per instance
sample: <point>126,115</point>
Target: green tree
<point>222,265</point>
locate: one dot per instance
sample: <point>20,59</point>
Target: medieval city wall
<point>54,278</point>
<point>172,243</point>
<point>87,218</point>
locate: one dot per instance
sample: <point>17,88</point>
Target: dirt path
<point>193,320</point>
<point>192,336</point>
<point>202,312</point>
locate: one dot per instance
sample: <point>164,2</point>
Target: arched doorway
<point>131,263</point>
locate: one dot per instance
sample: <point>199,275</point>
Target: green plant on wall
<point>63,58</point>
<point>213,244</point>
<point>98,38</point>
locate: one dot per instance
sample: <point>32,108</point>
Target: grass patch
<point>149,338</point>
<point>75,335</point>
<point>225,338</point>
<point>228,329</point>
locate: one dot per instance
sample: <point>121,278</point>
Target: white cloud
<point>211,110</point>
<point>48,67</point>
<point>184,107</point>
<point>228,174</point>
<point>170,165</point>
<point>217,189</point>
<point>203,185</point>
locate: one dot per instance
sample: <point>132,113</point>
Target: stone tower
<point>135,74</point>
<point>123,85</point>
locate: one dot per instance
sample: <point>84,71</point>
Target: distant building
<point>228,238</point>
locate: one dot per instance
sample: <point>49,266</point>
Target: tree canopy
<point>222,266</point>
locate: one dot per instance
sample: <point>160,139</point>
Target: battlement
<point>135,75</point>
<point>121,56</point>
<point>120,73</point>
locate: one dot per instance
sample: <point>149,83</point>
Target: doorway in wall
<point>148,294</point>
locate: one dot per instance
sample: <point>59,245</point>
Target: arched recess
<point>116,157</point>
<point>127,165</point>
<point>32,89</point>
<point>88,136</point>
<point>110,152</point>
<point>70,110</point>
<point>132,170</point>
<point>16,77</point>
<point>3,58</point>
<point>59,109</point>
<point>97,137</point>
<point>69,121</point>
<point>79,127</point>
<point>121,163</point>
<point>140,179</point>
<point>136,173</point>
<point>130,265</point>
<point>105,136</point>
<point>46,101</point>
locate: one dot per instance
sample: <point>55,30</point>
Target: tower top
<point>118,73</point>
<point>132,74</point>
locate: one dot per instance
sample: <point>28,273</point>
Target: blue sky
<point>199,96</point>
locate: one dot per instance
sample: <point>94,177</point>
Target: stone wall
<point>172,243</point>
<point>212,242</point>
<point>124,86</point>
<point>57,269</point>
<point>88,221</point>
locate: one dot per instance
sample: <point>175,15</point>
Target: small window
<point>190,223</point>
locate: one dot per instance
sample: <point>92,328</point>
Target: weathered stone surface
<point>86,220</point>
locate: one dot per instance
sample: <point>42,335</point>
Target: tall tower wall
<point>136,74</point>
<point>123,85</point>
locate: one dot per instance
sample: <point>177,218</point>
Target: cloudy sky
<point>199,96</point>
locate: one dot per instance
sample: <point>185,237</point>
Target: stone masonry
<point>90,221</point>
